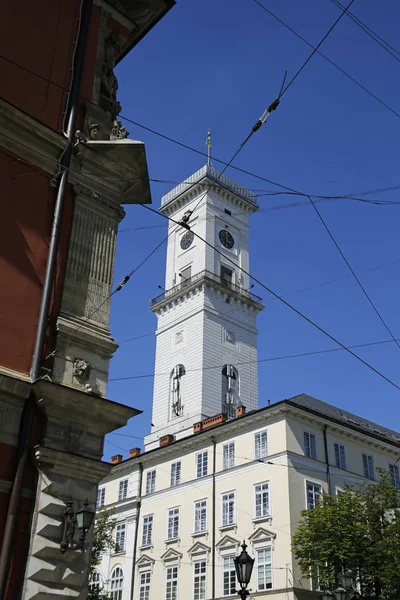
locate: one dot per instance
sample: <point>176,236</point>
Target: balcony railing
<point>226,285</point>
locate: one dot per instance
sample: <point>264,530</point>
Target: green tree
<point>358,530</point>
<point>103,540</point>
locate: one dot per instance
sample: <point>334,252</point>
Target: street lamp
<point>346,582</point>
<point>81,519</point>
<point>244,566</point>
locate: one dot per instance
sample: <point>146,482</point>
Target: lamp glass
<point>244,566</point>
<point>346,579</point>
<point>84,517</point>
<point>340,594</point>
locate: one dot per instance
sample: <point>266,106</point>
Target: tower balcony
<point>209,279</point>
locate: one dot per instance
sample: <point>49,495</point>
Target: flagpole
<point>208,143</point>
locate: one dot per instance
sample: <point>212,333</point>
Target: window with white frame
<point>395,475</point>
<point>150,482</point>
<point>228,509</point>
<point>340,456</point>
<point>230,390</point>
<point>314,491</point>
<point>171,586</point>
<point>173,523</point>
<point>175,473</point>
<point>147,532</point>
<point>101,497</point>
<point>200,516</point>
<point>116,584</point>
<point>120,537</point>
<point>123,490</point>
<point>95,583</point>
<point>260,445</point>
<point>261,500</point>
<point>176,390</point>
<point>228,576</point>
<point>144,585</point>
<point>202,464</point>
<point>368,466</point>
<point>310,449</point>
<point>199,581</point>
<point>228,455</point>
<point>264,569</point>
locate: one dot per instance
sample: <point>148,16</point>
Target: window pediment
<point>261,535</point>
<point>171,555</point>
<point>228,543</point>
<point>198,548</point>
<point>145,561</point>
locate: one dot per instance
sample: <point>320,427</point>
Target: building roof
<point>209,172</point>
<point>347,418</point>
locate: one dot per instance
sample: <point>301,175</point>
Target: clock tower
<point>206,353</point>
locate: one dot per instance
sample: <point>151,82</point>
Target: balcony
<point>209,279</point>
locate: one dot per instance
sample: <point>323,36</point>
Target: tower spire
<point>208,144</point>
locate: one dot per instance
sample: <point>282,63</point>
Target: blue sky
<point>217,64</point>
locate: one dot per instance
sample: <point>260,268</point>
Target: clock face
<point>186,240</point>
<point>226,239</point>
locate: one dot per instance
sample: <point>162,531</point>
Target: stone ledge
<point>71,465</point>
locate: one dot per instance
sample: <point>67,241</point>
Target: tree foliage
<point>358,530</point>
<point>103,540</point>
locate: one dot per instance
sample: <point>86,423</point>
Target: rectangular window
<point>199,583</point>
<point>395,475</point>
<point>173,524</point>
<point>228,509</point>
<point>101,496</point>
<point>200,516</point>
<point>260,445</point>
<point>150,482</point>
<point>228,576</point>
<point>120,538</point>
<point>175,473</point>
<point>202,464</point>
<point>228,452</point>
<point>314,491</point>
<point>147,533</point>
<point>171,588</point>
<point>123,490</point>
<point>264,569</point>
<point>340,456</point>
<point>226,275</point>
<point>144,586</point>
<point>368,466</point>
<point>261,492</point>
<point>185,276</point>
<point>309,445</point>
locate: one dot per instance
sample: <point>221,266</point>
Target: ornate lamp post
<point>81,519</point>
<point>244,566</point>
<point>345,585</point>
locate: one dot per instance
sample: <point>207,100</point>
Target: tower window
<point>185,276</point>
<point>176,390</point>
<point>230,390</point>
<point>226,276</point>
<point>228,212</point>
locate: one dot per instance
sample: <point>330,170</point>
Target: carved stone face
<point>81,368</point>
<point>94,131</point>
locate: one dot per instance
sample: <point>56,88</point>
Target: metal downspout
<point>213,520</point>
<point>328,473</point>
<point>135,543</point>
<point>65,163</point>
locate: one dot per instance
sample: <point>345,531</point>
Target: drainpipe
<point>135,543</point>
<point>328,473</point>
<point>12,519</point>
<point>213,520</point>
<point>65,162</point>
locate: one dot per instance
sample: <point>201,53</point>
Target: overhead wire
<point>360,85</point>
<point>371,33</point>
<point>277,296</point>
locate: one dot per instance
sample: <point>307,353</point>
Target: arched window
<point>230,390</point>
<point>116,584</point>
<point>176,390</point>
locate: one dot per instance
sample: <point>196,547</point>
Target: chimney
<point>240,411</point>
<point>166,439</point>
<point>116,459</point>
<point>134,452</point>
<point>268,402</point>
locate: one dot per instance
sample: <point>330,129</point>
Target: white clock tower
<point>206,354</point>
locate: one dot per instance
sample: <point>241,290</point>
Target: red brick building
<point>57,238</point>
